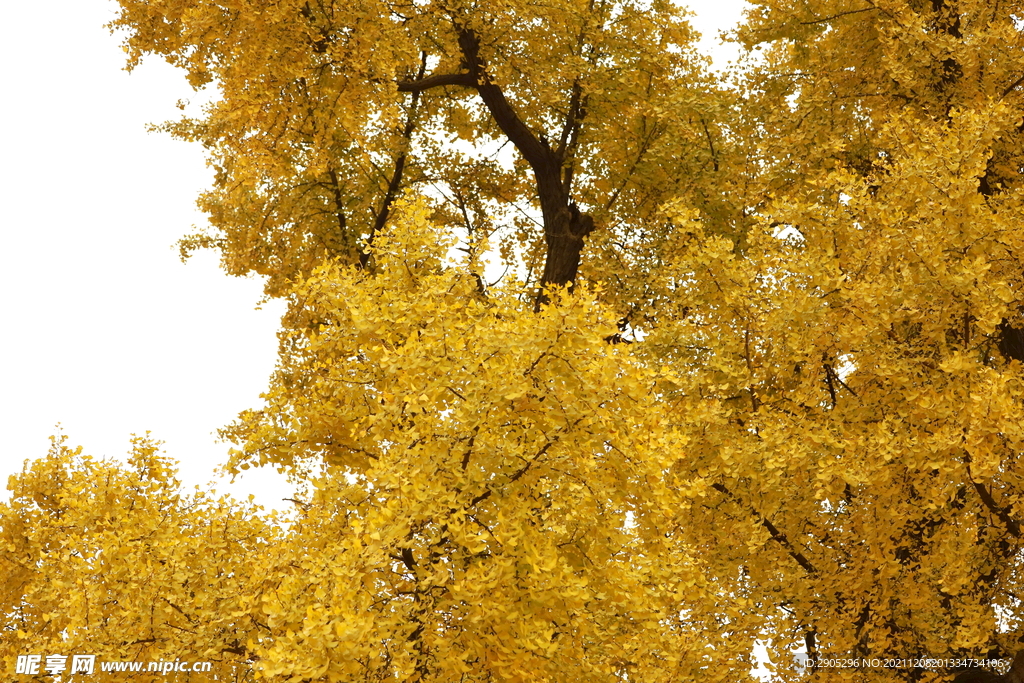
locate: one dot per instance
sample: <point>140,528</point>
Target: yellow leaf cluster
<point>753,372</point>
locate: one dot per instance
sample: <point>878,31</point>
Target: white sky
<point>105,330</point>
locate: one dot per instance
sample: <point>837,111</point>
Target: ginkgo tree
<point>599,367</point>
<point>119,563</point>
<point>892,174</point>
<point>329,113</point>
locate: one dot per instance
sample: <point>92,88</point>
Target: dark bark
<point>436,80</point>
<point>1011,341</point>
<point>565,226</point>
<point>395,184</point>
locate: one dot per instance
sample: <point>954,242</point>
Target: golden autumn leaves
<point>118,562</point>
<point>812,441</point>
<point>488,511</point>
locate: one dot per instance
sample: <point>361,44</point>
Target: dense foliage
<point>597,366</point>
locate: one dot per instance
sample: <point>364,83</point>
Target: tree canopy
<point>598,365</point>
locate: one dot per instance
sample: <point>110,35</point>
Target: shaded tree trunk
<point>565,226</point>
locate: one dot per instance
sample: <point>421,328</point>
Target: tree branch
<point>536,154</point>
<point>711,144</point>
<point>565,225</point>
<point>1013,86</point>
<point>996,509</point>
<point>776,535</point>
<point>436,81</point>
<point>396,178</point>
<point>515,476</point>
<point>570,129</point>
